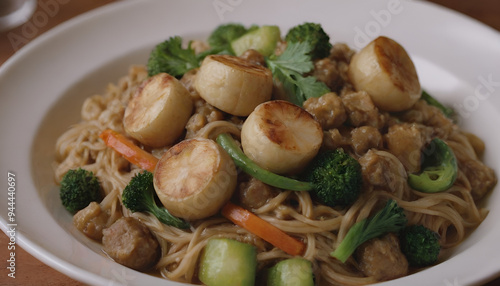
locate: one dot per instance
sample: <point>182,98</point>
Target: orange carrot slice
<point>263,229</point>
<point>129,150</point>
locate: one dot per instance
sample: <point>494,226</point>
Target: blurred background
<point>30,271</point>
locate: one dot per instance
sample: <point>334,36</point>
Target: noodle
<point>452,214</point>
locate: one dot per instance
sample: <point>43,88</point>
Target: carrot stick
<point>129,150</point>
<point>263,229</point>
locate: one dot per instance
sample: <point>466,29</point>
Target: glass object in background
<point>15,12</point>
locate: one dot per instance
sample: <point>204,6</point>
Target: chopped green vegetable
<point>334,177</point>
<point>228,262</point>
<point>420,245</point>
<point>289,68</point>
<point>263,39</point>
<point>139,196</point>
<point>447,111</point>
<point>248,166</point>
<point>291,272</point>
<point>439,169</point>
<point>220,39</point>
<point>389,219</point>
<point>170,57</point>
<point>79,188</point>
<point>314,34</point>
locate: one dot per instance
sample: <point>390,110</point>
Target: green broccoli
<point>439,169</point>
<point>79,188</point>
<point>420,245</point>
<point>389,219</point>
<point>336,177</point>
<point>170,57</point>
<point>315,35</point>
<point>333,177</point>
<point>139,196</point>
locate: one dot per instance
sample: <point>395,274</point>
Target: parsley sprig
<point>289,68</point>
<point>170,57</point>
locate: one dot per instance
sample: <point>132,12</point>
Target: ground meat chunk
<point>426,114</point>
<point>254,57</point>
<point>481,177</point>
<point>383,170</point>
<point>361,110</point>
<point>406,141</point>
<point>325,70</point>
<point>382,258</point>
<point>204,113</point>
<point>130,243</point>
<point>91,220</point>
<point>341,52</point>
<point>327,109</point>
<point>364,138</point>
<point>253,193</point>
<point>335,138</point>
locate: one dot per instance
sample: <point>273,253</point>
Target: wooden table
<point>30,271</point>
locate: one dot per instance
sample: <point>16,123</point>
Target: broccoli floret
<point>439,169</point>
<point>315,35</point>
<point>139,196</point>
<point>170,57</point>
<point>333,177</point>
<point>389,219</point>
<point>220,39</point>
<point>420,245</point>
<point>336,177</point>
<point>79,188</point>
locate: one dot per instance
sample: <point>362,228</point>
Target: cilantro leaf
<point>294,58</point>
<point>170,57</point>
<point>289,68</point>
<point>311,87</point>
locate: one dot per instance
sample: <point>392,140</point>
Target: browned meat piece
<point>429,115</point>
<point>334,138</point>
<point>327,109</point>
<point>481,177</point>
<point>364,138</point>
<point>130,243</point>
<point>253,193</point>
<point>325,70</point>
<point>383,170</point>
<point>361,110</point>
<point>341,52</point>
<point>406,142</point>
<point>382,258</point>
<point>254,57</point>
<point>204,113</point>
<point>91,220</point>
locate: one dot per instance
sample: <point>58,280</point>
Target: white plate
<point>44,84</point>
